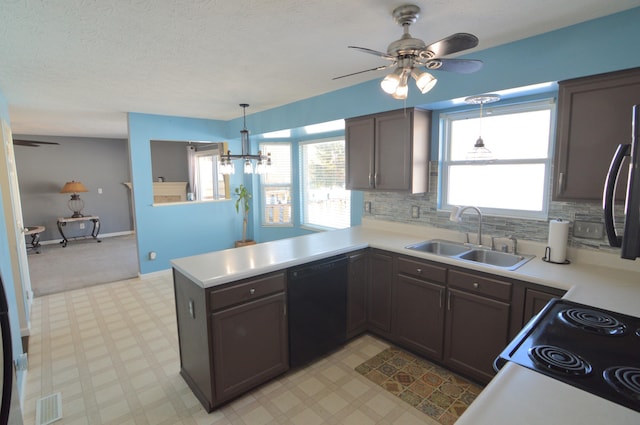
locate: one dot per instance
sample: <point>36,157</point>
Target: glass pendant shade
<point>424,81</point>
<point>248,167</point>
<point>401,92</point>
<point>479,152</point>
<point>390,83</point>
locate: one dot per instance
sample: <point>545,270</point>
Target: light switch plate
<point>588,229</point>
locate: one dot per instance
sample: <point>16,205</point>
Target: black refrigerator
<point>629,241</point>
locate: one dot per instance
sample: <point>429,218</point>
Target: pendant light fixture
<point>263,162</point>
<point>480,152</point>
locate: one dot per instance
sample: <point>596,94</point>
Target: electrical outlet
<point>367,207</point>
<point>588,229</point>
<point>81,226</point>
<point>415,211</point>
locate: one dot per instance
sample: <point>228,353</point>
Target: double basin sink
<point>503,260</point>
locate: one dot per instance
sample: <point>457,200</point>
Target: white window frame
<point>215,175</point>
<point>264,187</point>
<point>303,206</point>
<point>445,162</point>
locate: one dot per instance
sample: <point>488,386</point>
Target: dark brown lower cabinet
<point>418,314</point>
<point>535,300</point>
<point>379,292</point>
<point>357,293</point>
<point>232,337</point>
<point>477,323</point>
<point>249,345</point>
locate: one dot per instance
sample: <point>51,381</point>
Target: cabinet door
<point>357,294</point>
<point>594,117</point>
<point>418,315</point>
<point>359,152</point>
<point>477,331</point>
<point>249,345</point>
<point>393,151</point>
<point>534,301</point>
<point>379,292</point>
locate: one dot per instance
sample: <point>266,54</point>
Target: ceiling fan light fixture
<point>424,81</point>
<point>391,82</point>
<point>401,92</point>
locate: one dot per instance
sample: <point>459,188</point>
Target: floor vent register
<point>49,409</point>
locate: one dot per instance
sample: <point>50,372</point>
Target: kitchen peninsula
<point>515,394</point>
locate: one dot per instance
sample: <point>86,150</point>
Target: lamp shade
<point>73,187</point>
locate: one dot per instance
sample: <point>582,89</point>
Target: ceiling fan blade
<point>373,52</point>
<point>378,68</point>
<point>454,43</point>
<point>32,143</point>
<point>461,66</point>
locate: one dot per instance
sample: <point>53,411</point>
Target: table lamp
<point>75,203</point>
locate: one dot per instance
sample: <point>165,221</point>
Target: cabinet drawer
<point>247,291</point>
<point>422,270</point>
<point>480,285</point>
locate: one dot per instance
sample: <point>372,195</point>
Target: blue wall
<point>597,46</point>
<point>5,267</point>
<point>178,230</point>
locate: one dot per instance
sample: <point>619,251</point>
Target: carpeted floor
<point>82,263</point>
<point>435,391</point>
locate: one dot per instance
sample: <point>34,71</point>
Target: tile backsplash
<point>422,209</point>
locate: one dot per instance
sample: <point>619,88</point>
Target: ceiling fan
<point>413,57</point>
<point>32,143</point>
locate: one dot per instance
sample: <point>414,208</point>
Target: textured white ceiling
<point>74,68</point>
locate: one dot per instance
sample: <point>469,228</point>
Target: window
<point>210,185</point>
<point>325,201</point>
<point>276,186</point>
<point>515,182</point>
<point>205,181</point>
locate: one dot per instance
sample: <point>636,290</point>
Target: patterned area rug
<point>439,393</point>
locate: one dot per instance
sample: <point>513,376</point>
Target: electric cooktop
<point>589,348</point>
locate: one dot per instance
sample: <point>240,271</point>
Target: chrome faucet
<point>456,215</point>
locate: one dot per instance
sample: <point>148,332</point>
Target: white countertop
<point>516,394</point>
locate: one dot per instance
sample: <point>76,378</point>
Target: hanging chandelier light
<point>263,162</point>
<point>480,152</point>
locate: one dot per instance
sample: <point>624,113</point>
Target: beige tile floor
<point>112,351</point>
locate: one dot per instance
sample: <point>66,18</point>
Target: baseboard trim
<point>100,236</point>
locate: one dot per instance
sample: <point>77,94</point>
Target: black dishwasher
<point>317,304</point>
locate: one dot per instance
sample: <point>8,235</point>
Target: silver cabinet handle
<point>441,297</point>
<point>370,180</point>
<point>449,301</point>
<point>375,179</point>
<point>476,285</point>
<point>419,271</point>
<point>252,291</point>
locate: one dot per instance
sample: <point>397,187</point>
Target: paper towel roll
<point>558,235</point>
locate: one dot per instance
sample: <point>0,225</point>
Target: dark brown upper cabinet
<point>594,117</point>
<point>389,151</point>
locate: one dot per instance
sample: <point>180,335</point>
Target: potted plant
<point>244,200</point>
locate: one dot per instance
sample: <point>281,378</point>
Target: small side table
<point>34,232</point>
<point>62,221</point>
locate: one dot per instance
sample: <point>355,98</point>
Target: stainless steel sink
<point>468,253</point>
<point>440,247</point>
<point>495,258</point>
